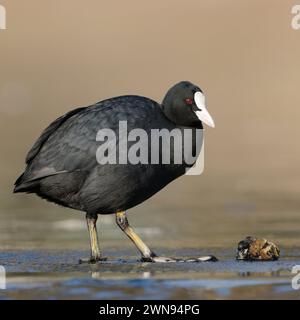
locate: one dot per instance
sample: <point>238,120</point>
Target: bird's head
<point>184,104</point>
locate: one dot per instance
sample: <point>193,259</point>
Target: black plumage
<point>62,165</point>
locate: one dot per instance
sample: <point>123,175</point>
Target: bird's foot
<point>157,259</point>
<point>202,259</point>
<point>166,259</point>
<point>92,260</point>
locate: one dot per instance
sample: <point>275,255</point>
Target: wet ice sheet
<point>57,275</point>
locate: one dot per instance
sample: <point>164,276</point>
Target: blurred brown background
<point>60,54</point>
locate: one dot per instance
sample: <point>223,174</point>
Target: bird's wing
<point>47,133</point>
<point>69,143</point>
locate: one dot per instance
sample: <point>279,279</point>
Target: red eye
<point>189,101</point>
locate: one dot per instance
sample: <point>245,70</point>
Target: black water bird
<point>63,166</point>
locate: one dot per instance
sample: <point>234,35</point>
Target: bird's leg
<point>147,254</point>
<point>95,251</point>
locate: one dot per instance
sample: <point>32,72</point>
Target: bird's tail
<point>22,186</point>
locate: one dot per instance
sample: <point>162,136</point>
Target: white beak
<point>203,114</point>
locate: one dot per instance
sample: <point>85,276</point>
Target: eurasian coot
<point>79,163</point>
